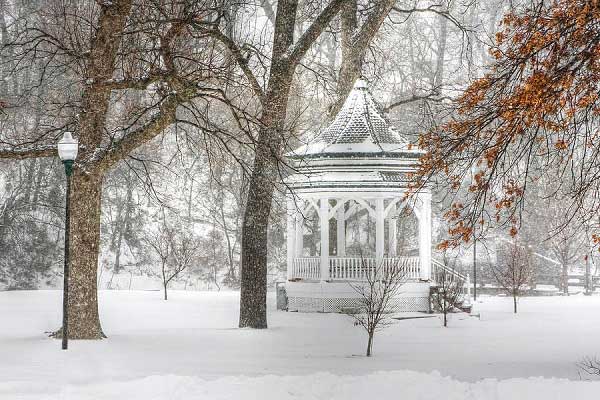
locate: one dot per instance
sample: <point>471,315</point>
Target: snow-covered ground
<point>189,348</point>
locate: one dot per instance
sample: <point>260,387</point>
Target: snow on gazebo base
<point>339,296</point>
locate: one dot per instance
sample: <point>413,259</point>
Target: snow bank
<point>405,385</point>
<point>190,348</point>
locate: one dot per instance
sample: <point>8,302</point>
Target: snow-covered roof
<point>359,128</point>
<point>359,150</point>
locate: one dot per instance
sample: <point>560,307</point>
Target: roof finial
<point>361,83</point>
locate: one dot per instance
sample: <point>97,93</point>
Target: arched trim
<point>311,203</point>
<point>394,212</point>
<point>415,204</point>
<point>392,206</point>
<point>339,203</point>
<point>351,211</point>
<point>366,205</point>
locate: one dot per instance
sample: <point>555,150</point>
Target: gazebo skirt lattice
<point>341,304</point>
<point>339,296</point>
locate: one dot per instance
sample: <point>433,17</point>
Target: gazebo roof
<point>359,130</point>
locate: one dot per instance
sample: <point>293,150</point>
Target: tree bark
<point>253,290</point>
<point>515,301</point>
<point>355,43</point>
<point>86,193</point>
<point>352,55</point>
<point>269,147</point>
<point>565,278</point>
<point>163,271</point>
<point>253,294</point>
<point>438,77</point>
<point>370,344</point>
<point>84,321</point>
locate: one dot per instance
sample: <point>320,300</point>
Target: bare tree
<point>84,60</point>
<point>590,365</point>
<point>162,245</point>
<point>515,273</point>
<point>176,250</point>
<point>29,223</point>
<point>376,297</point>
<point>546,225</point>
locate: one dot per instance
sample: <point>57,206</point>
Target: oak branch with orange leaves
<point>535,110</point>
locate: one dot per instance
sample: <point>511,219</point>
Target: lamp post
<point>67,151</point>
<point>474,266</point>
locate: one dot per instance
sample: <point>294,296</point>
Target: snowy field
<point>189,348</point>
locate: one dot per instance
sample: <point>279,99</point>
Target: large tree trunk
<point>253,294</point>
<point>253,290</point>
<point>269,147</point>
<point>86,192</point>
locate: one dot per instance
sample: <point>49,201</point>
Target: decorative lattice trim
<point>340,304</point>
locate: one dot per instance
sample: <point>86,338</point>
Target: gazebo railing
<point>412,265</point>
<point>349,267</point>
<point>352,268</point>
<point>307,268</point>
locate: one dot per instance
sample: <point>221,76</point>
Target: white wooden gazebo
<point>358,165</point>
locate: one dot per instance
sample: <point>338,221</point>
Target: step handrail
<point>437,264</point>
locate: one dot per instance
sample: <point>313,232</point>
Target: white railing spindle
<point>353,268</point>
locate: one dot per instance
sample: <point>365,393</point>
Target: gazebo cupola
<point>357,164</point>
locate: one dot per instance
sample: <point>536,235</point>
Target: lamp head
<point>68,147</point>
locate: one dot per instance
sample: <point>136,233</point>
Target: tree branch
<point>434,97</point>
<point>21,152</point>
<point>241,61</point>
<point>139,84</point>
<point>315,30</point>
<point>432,8</point>
<point>373,23</point>
<point>120,149</point>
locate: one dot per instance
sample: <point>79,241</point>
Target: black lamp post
<point>474,268</point>
<point>67,151</point>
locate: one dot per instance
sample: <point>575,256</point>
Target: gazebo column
<point>393,240</point>
<point>324,220</point>
<point>299,242</point>
<point>291,236</point>
<point>425,236</point>
<point>379,230</point>
<point>341,232</point>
